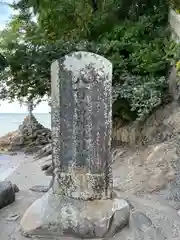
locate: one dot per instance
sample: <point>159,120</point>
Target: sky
<point>5,107</point>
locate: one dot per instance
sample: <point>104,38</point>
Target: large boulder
<point>144,219</point>
<point>7,193</point>
<point>60,216</point>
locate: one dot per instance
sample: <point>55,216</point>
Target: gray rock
<point>13,217</point>
<point>45,151</point>
<point>31,136</point>
<point>15,187</point>
<point>39,188</point>
<point>60,215</point>
<point>140,220</point>
<point>45,167</point>
<point>150,220</point>
<point>49,171</point>
<point>142,226</point>
<point>7,194</point>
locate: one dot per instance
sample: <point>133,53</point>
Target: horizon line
<point>23,113</point>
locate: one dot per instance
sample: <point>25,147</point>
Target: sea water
<point>10,121</point>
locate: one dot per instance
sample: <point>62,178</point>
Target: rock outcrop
<point>30,137</point>
<point>5,141</point>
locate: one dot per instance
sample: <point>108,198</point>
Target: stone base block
<point>54,215</point>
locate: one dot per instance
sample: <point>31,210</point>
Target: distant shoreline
<point>21,113</point>
<point>10,122</point>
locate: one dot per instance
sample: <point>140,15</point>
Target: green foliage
<point>3,63</point>
<point>140,58</point>
<point>132,46</point>
<point>175,4</point>
<point>133,35</point>
<point>65,19</point>
<point>142,93</point>
<point>22,53</point>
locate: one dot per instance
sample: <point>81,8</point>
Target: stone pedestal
<point>57,216</point>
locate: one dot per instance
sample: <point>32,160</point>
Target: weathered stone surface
<point>45,167</point>
<point>15,187</point>
<point>45,151</point>
<point>81,126</point>
<point>39,188</point>
<point>56,215</point>
<point>7,193</point>
<point>13,217</point>
<point>150,220</point>
<point>6,140</point>
<point>49,171</point>
<point>33,134</point>
<point>81,157</point>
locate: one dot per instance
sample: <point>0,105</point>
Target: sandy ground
<point>25,172</point>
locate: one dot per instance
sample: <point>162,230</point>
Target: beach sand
<point>23,171</point>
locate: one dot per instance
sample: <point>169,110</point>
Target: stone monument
<point>80,203</point>
<point>81,126</point>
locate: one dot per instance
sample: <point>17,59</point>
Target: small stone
<point>13,153</point>
<point>15,187</point>
<point>13,217</point>
<point>45,167</point>
<point>49,171</point>
<point>39,188</point>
